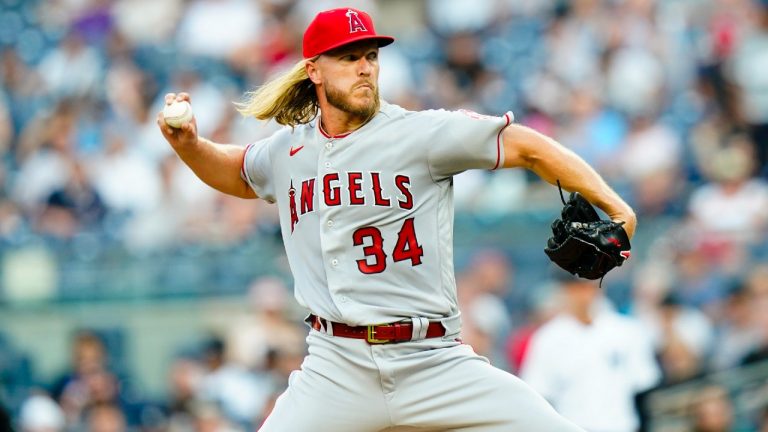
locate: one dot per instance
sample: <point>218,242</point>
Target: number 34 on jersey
<point>369,238</point>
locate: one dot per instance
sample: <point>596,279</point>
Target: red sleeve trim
<point>498,140</point>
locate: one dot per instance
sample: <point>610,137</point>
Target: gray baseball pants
<point>347,385</point>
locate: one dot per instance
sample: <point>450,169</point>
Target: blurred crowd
<point>666,99</point>
<point>221,382</point>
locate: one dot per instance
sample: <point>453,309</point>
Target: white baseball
<point>177,113</point>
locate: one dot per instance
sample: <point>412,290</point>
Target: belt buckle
<point>371,337</point>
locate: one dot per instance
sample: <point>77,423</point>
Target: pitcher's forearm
<point>218,165</point>
<point>551,161</point>
<point>574,174</point>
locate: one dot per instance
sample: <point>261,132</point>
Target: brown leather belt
<point>376,334</point>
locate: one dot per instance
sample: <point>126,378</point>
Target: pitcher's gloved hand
<point>585,245</point>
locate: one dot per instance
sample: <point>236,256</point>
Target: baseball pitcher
<point>364,191</point>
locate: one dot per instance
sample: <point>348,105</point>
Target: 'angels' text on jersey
<point>351,189</point>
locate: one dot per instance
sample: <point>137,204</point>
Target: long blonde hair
<point>289,98</point>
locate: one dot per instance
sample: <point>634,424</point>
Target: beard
<point>343,101</point>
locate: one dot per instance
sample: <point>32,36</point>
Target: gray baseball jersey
<point>367,217</point>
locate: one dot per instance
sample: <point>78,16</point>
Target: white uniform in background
<point>591,372</point>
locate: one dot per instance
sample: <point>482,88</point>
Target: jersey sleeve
<point>466,140</point>
<point>257,170</point>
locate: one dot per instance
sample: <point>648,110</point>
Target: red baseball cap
<point>336,27</point>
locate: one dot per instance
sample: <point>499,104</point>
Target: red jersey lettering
<point>332,195</point>
<point>378,199</point>
<point>354,187</point>
<point>292,204</point>
<point>403,183</point>
<point>307,195</point>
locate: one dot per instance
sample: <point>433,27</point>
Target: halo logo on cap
<point>355,23</point>
<point>336,27</point>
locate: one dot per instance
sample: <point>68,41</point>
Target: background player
<point>589,361</point>
<point>364,195</point>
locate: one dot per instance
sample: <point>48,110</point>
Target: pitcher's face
<point>349,77</point>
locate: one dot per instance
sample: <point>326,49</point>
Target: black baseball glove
<point>583,244</point>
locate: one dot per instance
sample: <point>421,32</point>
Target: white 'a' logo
<point>355,23</point>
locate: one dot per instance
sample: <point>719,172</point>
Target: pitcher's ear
<point>313,71</point>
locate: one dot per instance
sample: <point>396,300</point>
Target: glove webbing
<point>562,198</point>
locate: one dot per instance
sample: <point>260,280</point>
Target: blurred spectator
<point>60,13</point>
<point>217,28</point>
<point>480,288</point>
<point>543,95</point>
<point>589,361</point>
<point>40,413</point>
<point>73,69</point>
<point>184,381</point>
<point>11,217</point>
<point>275,46</point>
<point>7,131</point>
<point>73,208</point>
<point>683,337</point>
<point>757,285</point>
<point>545,306</point>
<point>146,21</point>
<point>89,383</point>
<point>105,417</point>
<point>712,411</point>
<point>396,80</point>
<point>700,282</point>
<point>266,327</point>
<point>87,394</point>
<point>159,225</point>
<point>94,21</point>
<point>183,200</point>
<point>117,162</point>
<point>230,222</point>
<point>281,362</point>
<point>462,60</point>
<point>734,206</point>
<point>652,281</point>
<point>268,340</point>
<point>635,81</point>
<point>592,130</point>
<point>650,159</point>
<point>455,16</point>
<point>128,90</point>
<point>88,355</point>
<point>44,155</point>
<point>218,218</point>
<point>305,11</point>
<point>750,57</point>
<point>238,392</point>
<point>209,418</point>
<point>719,121</point>
<point>24,89</point>
<point>573,42</point>
<point>490,195</point>
<point>735,335</point>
